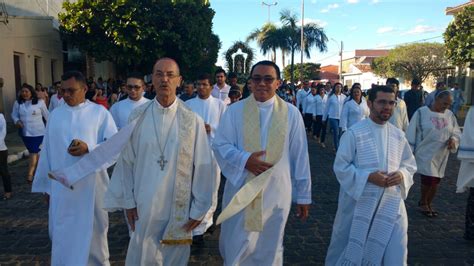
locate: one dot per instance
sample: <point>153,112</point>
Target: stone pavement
<point>432,241</point>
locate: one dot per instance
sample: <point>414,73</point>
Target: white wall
<point>29,37</point>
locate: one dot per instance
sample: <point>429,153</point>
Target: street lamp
<point>341,47</point>
<point>269,5</point>
<point>302,39</point>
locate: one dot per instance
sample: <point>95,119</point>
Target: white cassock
<point>399,117</point>
<point>352,112</point>
<point>211,111</point>
<point>291,174</point>
<point>165,198</point>
<point>121,110</point>
<point>78,224</point>
<point>367,147</point>
<point>466,154</point>
<point>428,134</point>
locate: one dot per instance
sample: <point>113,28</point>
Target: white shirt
<point>334,106</point>
<point>309,105</point>
<point>31,115</point>
<point>320,105</point>
<point>399,117</point>
<point>300,96</point>
<point>121,110</point>
<point>55,102</point>
<point>3,133</point>
<point>221,94</point>
<point>353,112</point>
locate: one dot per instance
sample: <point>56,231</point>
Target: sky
<point>359,24</point>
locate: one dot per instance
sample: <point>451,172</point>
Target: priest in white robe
<point>78,224</point>
<point>433,134</point>
<point>262,150</point>
<point>374,166</point>
<point>135,88</point>
<point>399,117</point>
<point>210,109</point>
<point>466,171</point>
<point>163,176</point>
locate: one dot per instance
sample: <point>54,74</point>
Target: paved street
<point>432,241</point>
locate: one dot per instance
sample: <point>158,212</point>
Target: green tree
<point>314,36</point>
<point>311,71</point>
<point>133,34</point>
<point>418,60</point>
<point>459,37</point>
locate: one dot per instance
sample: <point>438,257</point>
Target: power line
<point>421,40</point>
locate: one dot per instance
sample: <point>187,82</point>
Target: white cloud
<point>352,1</point>
<point>420,29</point>
<point>313,1</point>
<point>385,30</point>
<point>329,7</point>
<point>352,28</point>
<point>375,2</point>
<point>381,45</point>
<point>321,23</point>
<point>420,20</point>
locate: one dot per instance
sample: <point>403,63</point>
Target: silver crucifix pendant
<point>162,162</point>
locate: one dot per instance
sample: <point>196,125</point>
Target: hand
<point>302,211</point>
<point>394,178</point>
<point>191,224</point>
<point>314,118</point>
<point>255,165</point>
<point>451,143</point>
<point>208,128</point>
<point>19,124</point>
<point>378,178</point>
<point>78,148</point>
<point>132,216</point>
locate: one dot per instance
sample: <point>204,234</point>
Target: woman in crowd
<point>433,133</point>
<point>333,112</point>
<point>28,114</point>
<point>319,127</point>
<point>354,109</point>
<point>7,184</point>
<point>42,93</point>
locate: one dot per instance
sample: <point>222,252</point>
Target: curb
<point>17,156</point>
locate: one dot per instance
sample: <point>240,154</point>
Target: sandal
<point>7,196</point>
<point>434,213</point>
<point>425,210</point>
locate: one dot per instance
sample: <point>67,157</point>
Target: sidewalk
<point>16,148</point>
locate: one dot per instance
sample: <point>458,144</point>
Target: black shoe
<point>211,229</point>
<point>198,240</point>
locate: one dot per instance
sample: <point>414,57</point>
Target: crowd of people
<point>173,141</point>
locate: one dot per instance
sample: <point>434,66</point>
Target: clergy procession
<point>177,168</point>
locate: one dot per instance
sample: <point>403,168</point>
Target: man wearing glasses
<point>121,110</point>
<point>374,166</point>
<point>163,174</point>
<point>78,224</point>
<point>262,150</point>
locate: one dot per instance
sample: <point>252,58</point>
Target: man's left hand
<point>79,148</point>
<point>394,178</point>
<point>302,211</point>
<point>451,144</point>
<point>191,224</point>
<point>208,128</point>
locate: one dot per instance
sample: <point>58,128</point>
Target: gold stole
<point>250,195</point>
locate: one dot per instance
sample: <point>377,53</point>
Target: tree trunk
<point>283,57</point>
<point>292,64</point>
<point>274,56</point>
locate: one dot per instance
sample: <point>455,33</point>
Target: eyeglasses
<point>162,75</point>
<point>385,102</point>
<point>133,87</point>
<point>266,79</point>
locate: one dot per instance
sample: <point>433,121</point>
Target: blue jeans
<point>334,126</point>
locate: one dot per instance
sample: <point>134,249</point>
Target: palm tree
<point>313,36</point>
<point>266,38</point>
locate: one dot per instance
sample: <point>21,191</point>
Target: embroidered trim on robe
<point>250,195</point>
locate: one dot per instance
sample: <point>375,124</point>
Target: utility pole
<point>340,63</point>
<point>302,40</point>
<point>269,5</point>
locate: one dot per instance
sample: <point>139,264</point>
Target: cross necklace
<point>162,160</point>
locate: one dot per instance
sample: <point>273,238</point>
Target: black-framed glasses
<point>266,79</point>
